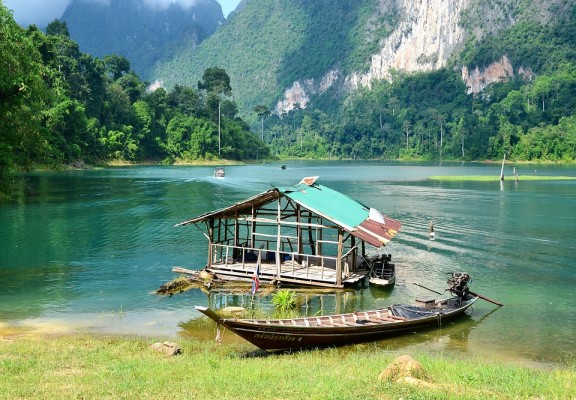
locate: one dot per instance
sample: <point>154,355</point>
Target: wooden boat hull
<point>382,271</point>
<point>340,329</point>
<point>383,282</point>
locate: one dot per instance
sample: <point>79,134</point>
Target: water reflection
<point>308,302</point>
<point>381,292</point>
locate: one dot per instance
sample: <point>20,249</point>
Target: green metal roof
<point>330,204</point>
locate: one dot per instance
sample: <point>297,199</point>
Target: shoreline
<point>225,162</point>
<point>280,160</point>
<point>203,330</point>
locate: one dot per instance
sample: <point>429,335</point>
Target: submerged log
<point>177,285</point>
<point>206,281</point>
<point>189,279</point>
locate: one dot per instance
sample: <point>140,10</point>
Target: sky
<point>41,12</point>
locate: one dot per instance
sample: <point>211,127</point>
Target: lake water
<point>84,251</point>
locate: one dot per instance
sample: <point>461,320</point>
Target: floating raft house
<point>305,234</point>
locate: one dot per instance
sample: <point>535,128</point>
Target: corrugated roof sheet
<point>330,204</point>
<point>242,207</point>
<point>360,220</point>
<point>352,216</point>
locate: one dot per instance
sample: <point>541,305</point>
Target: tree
<point>160,116</point>
<point>406,126</point>
<point>440,119</point>
<point>184,100</point>
<point>68,119</point>
<point>262,111</point>
<point>116,66</point>
<point>23,96</point>
<point>215,80</point>
<point>132,86</point>
<point>57,28</point>
<point>216,83</point>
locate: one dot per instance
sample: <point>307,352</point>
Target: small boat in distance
<point>219,173</point>
<point>348,328</point>
<point>382,271</point>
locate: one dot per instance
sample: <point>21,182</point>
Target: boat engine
<point>458,284</point>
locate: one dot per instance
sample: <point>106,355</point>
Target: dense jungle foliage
<point>60,106</point>
<point>430,115</point>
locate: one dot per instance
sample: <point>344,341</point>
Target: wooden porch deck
<point>314,275</point>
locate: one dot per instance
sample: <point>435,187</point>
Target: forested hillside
<point>307,54</point>
<point>270,44</point>
<point>140,31</point>
<point>530,117</point>
<point>60,106</point>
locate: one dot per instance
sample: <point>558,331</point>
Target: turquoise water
<point>85,250</point>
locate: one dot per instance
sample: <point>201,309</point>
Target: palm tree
<point>262,111</point>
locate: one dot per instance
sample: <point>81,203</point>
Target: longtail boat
<point>355,327</point>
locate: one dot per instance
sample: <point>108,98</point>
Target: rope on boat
<point>219,334</point>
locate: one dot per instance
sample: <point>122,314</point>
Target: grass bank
<point>96,367</point>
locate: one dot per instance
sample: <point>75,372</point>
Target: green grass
<point>95,367</point>
<point>495,178</point>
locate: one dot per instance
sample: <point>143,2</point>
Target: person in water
<point>431,230</point>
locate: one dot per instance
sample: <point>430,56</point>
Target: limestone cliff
<point>428,35</point>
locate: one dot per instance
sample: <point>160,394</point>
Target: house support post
<point>278,239</point>
<point>339,259</point>
<point>210,242</point>
<point>354,253</point>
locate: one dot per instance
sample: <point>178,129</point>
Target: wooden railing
<point>224,254</point>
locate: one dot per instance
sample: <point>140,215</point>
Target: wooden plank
<point>181,270</point>
<point>305,275</point>
<point>388,320</point>
<point>334,323</point>
<point>308,282</point>
<point>396,317</point>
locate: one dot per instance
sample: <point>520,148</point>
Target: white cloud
<point>38,12</point>
<point>41,12</point>
<point>166,3</point>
